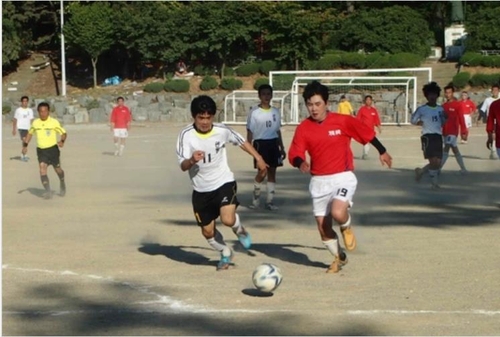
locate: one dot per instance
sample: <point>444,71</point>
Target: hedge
<point>260,81</point>
<point>267,66</point>
<point>154,87</point>
<point>208,83</point>
<point>461,80</point>
<point>484,80</point>
<point>283,82</point>
<point>475,60</point>
<point>328,62</point>
<point>202,70</point>
<point>231,83</point>
<point>6,109</point>
<point>177,86</point>
<point>353,61</point>
<point>248,69</point>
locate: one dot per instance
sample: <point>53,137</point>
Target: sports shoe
<point>492,155</point>
<point>349,238</point>
<point>271,207</point>
<point>47,195</point>
<point>464,172</point>
<point>245,239</point>
<point>116,153</point>
<point>225,262</point>
<point>463,142</point>
<point>418,174</point>
<point>255,204</point>
<point>62,191</point>
<point>342,258</point>
<point>334,267</point>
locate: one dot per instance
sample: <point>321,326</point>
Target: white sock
<point>333,246</point>
<point>121,148</point>
<point>117,146</point>
<point>256,190</point>
<point>366,149</point>
<point>219,245</point>
<point>237,227</point>
<point>347,223</point>
<point>271,189</point>
<point>460,160</point>
<point>434,176</point>
<point>444,159</point>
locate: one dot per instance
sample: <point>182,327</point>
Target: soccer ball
<point>267,277</point>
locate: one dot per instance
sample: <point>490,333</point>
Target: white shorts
<point>324,189</point>
<point>468,120</point>
<point>450,140</point>
<point>120,133</point>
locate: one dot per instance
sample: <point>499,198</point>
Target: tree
<point>483,29</point>
<point>378,30</point>
<point>90,27</point>
<point>11,41</point>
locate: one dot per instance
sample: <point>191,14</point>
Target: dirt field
<point>120,253</point>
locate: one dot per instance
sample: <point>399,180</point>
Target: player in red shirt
<point>120,124</point>
<point>493,126</point>
<point>455,122</point>
<point>368,114</point>
<point>468,108</point>
<point>326,137</point>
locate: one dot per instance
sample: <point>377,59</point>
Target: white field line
<point>425,312</point>
<point>162,303</point>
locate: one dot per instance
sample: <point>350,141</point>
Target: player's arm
<point>248,148</point>
<point>249,136</point>
<point>112,120</point>
<point>249,126</point>
<point>297,151</point>
<point>415,117</point>
<point>281,145</point>
<point>364,134</point>
<point>129,121</point>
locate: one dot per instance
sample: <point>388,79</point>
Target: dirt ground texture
<point>120,254</point>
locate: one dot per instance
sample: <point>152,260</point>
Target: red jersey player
<point>326,137</point>
<point>455,122</point>
<point>368,114</point>
<point>120,124</point>
<point>468,108</point>
<point>493,126</point>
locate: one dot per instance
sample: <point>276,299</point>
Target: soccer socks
<point>117,148</point>
<point>45,182</point>
<point>271,189</point>
<point>333,246</point>
<point>120,152</point>
<point>219,245</point>
<point>256,190</point>
<point>444,158</point>
<point>460,161</point>
<point>347,223</point>
<point>237,227</point>
<point>433,174</point>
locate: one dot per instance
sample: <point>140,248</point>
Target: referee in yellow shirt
<point>345,108</point>
<point>46,129</point>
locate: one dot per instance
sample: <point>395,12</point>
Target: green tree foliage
<point>483,29</point>
<point>91,28</point>
<point>394,29</point>
<point>12,45</point>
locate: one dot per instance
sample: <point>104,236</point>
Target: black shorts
<point>207,205</point>
<point>22,133</point>
<point>269,150</point>
<point>49,156</point>
<point>432,145</point>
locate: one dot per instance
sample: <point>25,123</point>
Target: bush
<point>461,80</point>
<point>405,60</point>
<point>471,59</point>
<point>231,83</point>
<point>154,87</point>
<point>248,69</point>
<point>177,86</point>
<point>202,70</point>
<point>283,82</point>
<point>208,83</point>
<point>378,60</point>
<point>93,104</point>
<point>484,80</point>
<point>6,109</point>
<point>267,66</point>
<point>228,71</point>
<point>260,81</point>
<point>328,62</point>
<point>353,60</point>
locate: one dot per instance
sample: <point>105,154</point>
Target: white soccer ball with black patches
<point>267,277</point>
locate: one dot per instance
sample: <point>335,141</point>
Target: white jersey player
<point>201,151</point>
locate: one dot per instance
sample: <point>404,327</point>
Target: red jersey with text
<point>369,116</point>
<point>120,116</point>
<point>328,143</point>
<point>468,106</point>
<point>493,123</point>
<point>455,121</point>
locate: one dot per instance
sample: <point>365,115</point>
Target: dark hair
<point>120,98</point>
<point>24,97</point>
<point>263,87</point>
<point>449,86</point>
<point>431,87</point>
<point>366,97</point>
<point>495,86</point>
<point>315,88</point>
<point>342,97</point>
<point>203,104</point>
<point>43,104</point>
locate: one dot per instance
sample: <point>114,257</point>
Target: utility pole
<point>63,55</point>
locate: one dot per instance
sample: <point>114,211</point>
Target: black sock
<point>45,182</point>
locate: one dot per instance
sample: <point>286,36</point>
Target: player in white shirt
<point>485,108</point>
<point>432,118</point>
<point>22,122</point>
<point>263,132</point>
<point>201,150</point>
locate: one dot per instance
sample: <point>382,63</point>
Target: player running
<point>201,150</point>
<point>431,117</point>
<point>455,122</point>
<point>368,114</point>
<point>263,132</point>
<point>485,108</point>
<point>326,137</point>
<point>493,126</point>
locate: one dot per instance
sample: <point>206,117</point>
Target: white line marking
<point>425,312</point>
<point>162,303</point>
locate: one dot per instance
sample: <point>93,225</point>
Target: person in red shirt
<point>368,114</point>
<point>469,109</point>
<point>326,137</point>
<point>120,124</point>
<point>493,126</point>
<point>455,123</point>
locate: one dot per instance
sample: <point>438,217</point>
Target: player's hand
<point>13,132</point>
<point>261,165</point>
<point>60,143</point>
<point>464,137</point>
<point>197,156</point>
<point>489,143</point>
<point>283,154</point>
<point>386,159</point>
<point>304,167</point>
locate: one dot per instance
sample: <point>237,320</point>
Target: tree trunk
<point>297,64</point>
<point>350,6</point>
<point>94,66</point>
<point>222,69</point>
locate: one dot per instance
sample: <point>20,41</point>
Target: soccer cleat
<point>271,207</point>
<point>463,142</point>
<point>47,195</point>
<point>418,174</point>
<point>245,239</point>
<point>492,155</point>
<point>334,267</point>
<point>225,262</point>
<point>349,238</point>
<point>255,204</point>
<point>342,258</point>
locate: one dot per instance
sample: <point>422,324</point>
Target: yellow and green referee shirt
<point>46,131</point>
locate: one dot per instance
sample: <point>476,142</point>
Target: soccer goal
<point>238,103</point>
<point>393,96</point>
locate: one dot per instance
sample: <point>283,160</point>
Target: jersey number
<point>269,124</point>
<point>434,118</point>
<point>342,192</point>
<point>207,159</point>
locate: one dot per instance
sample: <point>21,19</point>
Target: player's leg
<point>331,241</point>
<point>468,125</point>
<point>345,187</point>
<point>123,137</point>
<point>45,180</point>
<point>116,140</point>
<point>419,172</point>
<point>459,158</point>
<point>273,155</point>
<point>434,152</point>
<point>259,177</point>
<point>446,151</point>
<point>498,152</point>
<point>22,135</point>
